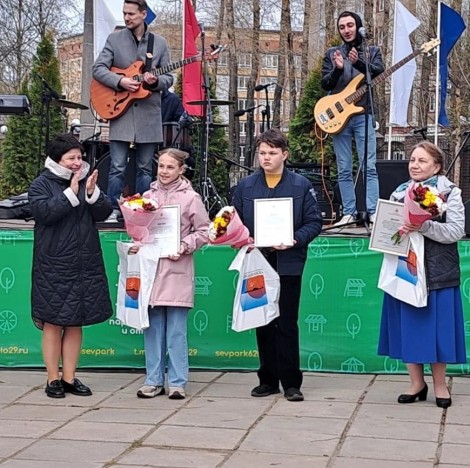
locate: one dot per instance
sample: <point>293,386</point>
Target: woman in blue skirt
<point>433,334</point>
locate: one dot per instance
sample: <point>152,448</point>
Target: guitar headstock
<point>428,46</point>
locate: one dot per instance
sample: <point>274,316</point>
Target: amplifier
<point>329,216</point>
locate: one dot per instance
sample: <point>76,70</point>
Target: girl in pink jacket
<point>173,290</point>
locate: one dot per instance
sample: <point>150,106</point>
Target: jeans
<point>144,154</point>
<point>167,331</point>
<point>278,341</point>
<point>342,143</point>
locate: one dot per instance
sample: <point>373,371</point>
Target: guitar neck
<point>382,77</point>
<point>167,68</point>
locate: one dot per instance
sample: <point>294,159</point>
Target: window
<point>242,104</point>
<point>222,86</point>
<point>381,5</point>
<point>297,61</point>
<point>242,128</point>
<point>432,102</point>
<point>380,38</point>
<point>243,82</point>
<point>223,59</point>
<point>244,60</point>
<point>269,61</point>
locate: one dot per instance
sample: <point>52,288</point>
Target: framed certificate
<point>388,219</point>
<point>274,222</point>
<point>166,230</point>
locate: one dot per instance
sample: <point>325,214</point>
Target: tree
<point>24,144</point>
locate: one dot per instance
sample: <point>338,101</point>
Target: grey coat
<point>142,122</point>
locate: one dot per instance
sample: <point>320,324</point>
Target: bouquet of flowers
<point>228,229</point>
<point>422,202</point>
<point>139,213</point>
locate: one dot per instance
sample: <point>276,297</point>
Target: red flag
<point>192,73</point>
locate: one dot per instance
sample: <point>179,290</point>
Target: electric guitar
<point>111,104</point>
<point>332,112</point>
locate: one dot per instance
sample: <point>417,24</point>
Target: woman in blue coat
<point>69,284</point>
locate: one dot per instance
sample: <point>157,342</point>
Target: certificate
<point>166,230</point>
<point>388,219</point>
<point>274,222</point>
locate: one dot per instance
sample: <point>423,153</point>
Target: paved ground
<point>346,421</point>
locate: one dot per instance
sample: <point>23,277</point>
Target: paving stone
<point>457,434</point>
<point>388,449</point>
<point>78,451</point>
<point>258,459</point>
<point>40,412</point>
<point>458,413</point>
<point>11,445</point>
<point>455,454</point>
<point>101,431</point>
<point>220,412</point>
<point>39,397</point>
<point>195,437</point>
<point>399,412</point>
<point>205,377</point>
<point>176,458</point>
<point>226,390</point>
<point>48,463</point>
<point>22,378</point>
<point>11,393</point>
<point>126,415</point>
<point>26,429</point>
<point>365,463</point>
<point>313,409</point>
<point>250,379</point>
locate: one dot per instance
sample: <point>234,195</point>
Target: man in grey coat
<point>141,123</point>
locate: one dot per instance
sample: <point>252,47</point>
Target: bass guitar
<point>111,104</point>
<point>332,112</point>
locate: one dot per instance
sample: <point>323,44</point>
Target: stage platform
<point>339,314</point>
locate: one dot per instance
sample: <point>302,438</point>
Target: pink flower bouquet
<point>422,202</point>
<point>228,229</point>
<point>139,213</point>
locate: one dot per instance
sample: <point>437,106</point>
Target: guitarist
<point>340,65</point>
<point>141,124</point>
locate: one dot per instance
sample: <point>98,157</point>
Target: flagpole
<point>389,150</point>
<point>438,72</point>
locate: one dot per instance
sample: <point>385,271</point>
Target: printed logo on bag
<point>8,321</point>
<point>132,290</point>
<point>201,285</point>
<point>465,368</point>
<point>354,287</point>
<point>253,293</point>
<point>318,247</point>
<point>7,238</point>
<point>466,248</point>
<point>466,289</point>
<point>353,365</point>
<point>315,323</point>
<point>7,279</point>
<point>314,362</point>
<point>407,268</point>
<point>317,285</point>
<point>356,246</point>
<point>353,325</point>
<point>467,328</point>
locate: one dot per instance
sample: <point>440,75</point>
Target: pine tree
<point>24,145</point>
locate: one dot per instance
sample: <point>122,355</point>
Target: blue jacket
<point>307,217</point>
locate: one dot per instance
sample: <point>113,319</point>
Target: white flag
<point>103,25</point>
<point>402,79</point>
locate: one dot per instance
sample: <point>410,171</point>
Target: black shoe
<point>421,395</point>
<point>55,389</point>
<point>294,394</point>
<point>264,390</point>
<point>76,388</point>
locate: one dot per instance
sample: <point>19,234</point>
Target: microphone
<point>54,94</point>
<point>201,26</point>
<point>260,87</point>
<point>420,130</point>
<point>241,112</point>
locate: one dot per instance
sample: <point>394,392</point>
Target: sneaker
<point>264,390</point>
<point>113,217</point>
<point>150,391</point>
<point>346,220</point>
<point>176,393</point>
<point>294,394</point>
<point>372,218</point>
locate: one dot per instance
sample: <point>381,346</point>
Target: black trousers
<point>278,342</point>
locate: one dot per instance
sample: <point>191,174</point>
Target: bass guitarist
<point>340,65</point>
<point>141,123</point>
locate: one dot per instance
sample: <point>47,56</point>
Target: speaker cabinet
<point>391,174</point>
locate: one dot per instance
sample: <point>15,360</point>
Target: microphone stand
<point>266,113</point>
<point>47,94</point>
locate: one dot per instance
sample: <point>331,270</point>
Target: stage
<point>339,314</point>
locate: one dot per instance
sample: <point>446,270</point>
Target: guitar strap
<point>149,54</point>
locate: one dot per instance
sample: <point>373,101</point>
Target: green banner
<point>339,313</point>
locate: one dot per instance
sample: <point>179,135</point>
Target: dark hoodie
<point>335,79</point>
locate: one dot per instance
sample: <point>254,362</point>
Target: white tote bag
<point>136,277</point>
<point>404,278</point>
<point>256,300</point>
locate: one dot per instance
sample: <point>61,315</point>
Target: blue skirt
<point>424,335</point>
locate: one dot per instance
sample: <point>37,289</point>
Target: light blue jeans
<point>167,331</point>
<point>342,143</point>
<point>144,154</point>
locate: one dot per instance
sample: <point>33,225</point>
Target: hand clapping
<point>91,183</point>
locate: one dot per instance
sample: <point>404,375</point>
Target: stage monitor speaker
<point>391,174</point>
